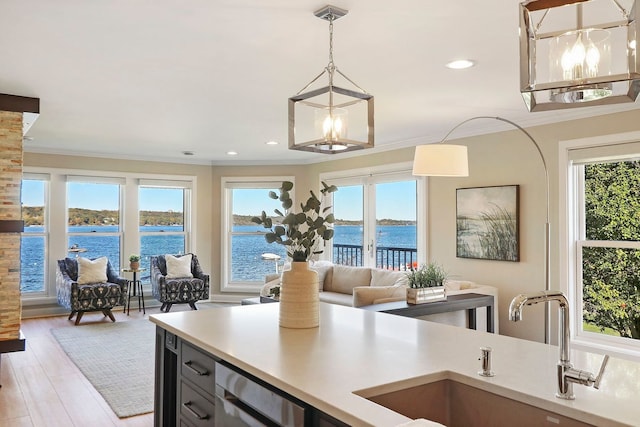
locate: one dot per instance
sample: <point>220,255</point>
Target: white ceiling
<point>148,79</point>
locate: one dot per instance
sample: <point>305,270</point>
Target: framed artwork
<point>487,223</point>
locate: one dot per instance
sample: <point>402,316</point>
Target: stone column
<point>17,114</point>
<point>10,210</point>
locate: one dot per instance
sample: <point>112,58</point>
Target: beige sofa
<point>360,286</point>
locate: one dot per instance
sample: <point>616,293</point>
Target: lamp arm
<point>547,260</point>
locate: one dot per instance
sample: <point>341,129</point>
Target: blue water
<point>246,250</point>
<point>97,244</point>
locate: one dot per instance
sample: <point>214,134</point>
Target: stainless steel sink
<point>455,404</point>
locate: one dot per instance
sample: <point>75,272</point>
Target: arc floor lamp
<point>450,160</point>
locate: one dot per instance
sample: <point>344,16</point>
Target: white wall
<point>500,159</point>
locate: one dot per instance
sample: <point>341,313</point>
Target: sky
<point>104,196</point>
<point>394,200</point>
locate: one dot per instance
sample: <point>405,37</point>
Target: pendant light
<point>578,53</point>
<point>331,119</point>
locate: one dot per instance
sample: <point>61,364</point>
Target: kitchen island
<point>356,354</point>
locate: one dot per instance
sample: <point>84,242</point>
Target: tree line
<point>34,215</point>
<point>246,220</point>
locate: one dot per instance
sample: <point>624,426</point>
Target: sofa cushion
<point>388,278</point>
<point>345,278</point>
<point>336,298</point>
<point>368,295</point>
<point>92,271</point>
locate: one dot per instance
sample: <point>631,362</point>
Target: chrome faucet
<point>567,375</point>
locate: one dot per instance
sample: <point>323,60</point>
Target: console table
<point>8,346</point>
<point>458,302</point>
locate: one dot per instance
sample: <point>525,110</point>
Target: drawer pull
<point>194,370</point>
<point>187,406</point>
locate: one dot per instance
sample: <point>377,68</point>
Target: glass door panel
<point>395,225</point>
<point>348,240</point>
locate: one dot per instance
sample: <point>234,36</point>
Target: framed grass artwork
<point>487,223</point>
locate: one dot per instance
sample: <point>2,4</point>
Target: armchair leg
<point>164,304</point>
<point>168,307</point>
<point>108,312</point>
<point>192,304</point>
<point>71,315</point>
<point>80,314</point>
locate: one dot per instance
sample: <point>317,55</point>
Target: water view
<point>247,250</point>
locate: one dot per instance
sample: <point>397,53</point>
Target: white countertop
<point>356,349</point>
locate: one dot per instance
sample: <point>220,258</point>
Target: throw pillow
<point>92,271</point>
<point>178,267</point>
<point>345,278</point>
<point>322,268</point>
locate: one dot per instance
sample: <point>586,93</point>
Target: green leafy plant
<point>427,276</point>
<point>134,258</point>
<point>302,232</point>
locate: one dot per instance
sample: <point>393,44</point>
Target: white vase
<point>299,297</point>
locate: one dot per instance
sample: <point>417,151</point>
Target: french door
<point>377,221</point>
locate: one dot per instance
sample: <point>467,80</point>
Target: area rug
<point>117,359</point>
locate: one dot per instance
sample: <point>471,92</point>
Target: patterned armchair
<point>178,290</point>
<point>88,297</point>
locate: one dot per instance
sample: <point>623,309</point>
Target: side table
<point>136,284</point>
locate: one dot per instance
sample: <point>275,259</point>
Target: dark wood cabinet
<point>186,392</point>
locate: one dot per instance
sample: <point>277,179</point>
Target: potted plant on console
<point>301,233</point>
<point>426,284</point>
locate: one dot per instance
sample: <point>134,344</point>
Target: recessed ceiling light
<point>272,142</point>
<point>232,153</point>
<point>188,153</point>
<point>461,64</point>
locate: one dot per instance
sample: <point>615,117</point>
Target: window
<point>248,257</point>
<point>94,218</point>
<point>68,213</point>
<point>376,219</point>
<point>33,242</point>
<point>164,213</point>
<point>603,229</point>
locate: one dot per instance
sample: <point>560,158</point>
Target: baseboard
<point>33,311</point>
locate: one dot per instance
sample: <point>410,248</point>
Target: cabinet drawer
<point>198,367</point>
<point>194,407</point>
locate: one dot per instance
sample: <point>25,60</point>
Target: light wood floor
<point>43,387</point>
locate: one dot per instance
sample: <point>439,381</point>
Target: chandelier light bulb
<point>581,62</point>
<point>332,124</point>
<point>592,59</point>
<point>332,128</point>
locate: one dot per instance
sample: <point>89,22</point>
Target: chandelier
<point>578,53</point>
<point>331,119</point>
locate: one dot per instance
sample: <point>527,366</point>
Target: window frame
<point>45,177</point>
<point>101,180</point>
<point>572,233</point>
<point>56,211</point>
<point>371,176</point>
<point>228,184</point>
<point>187,202</point>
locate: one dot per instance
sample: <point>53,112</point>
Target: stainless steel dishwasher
<point>240,401</point>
